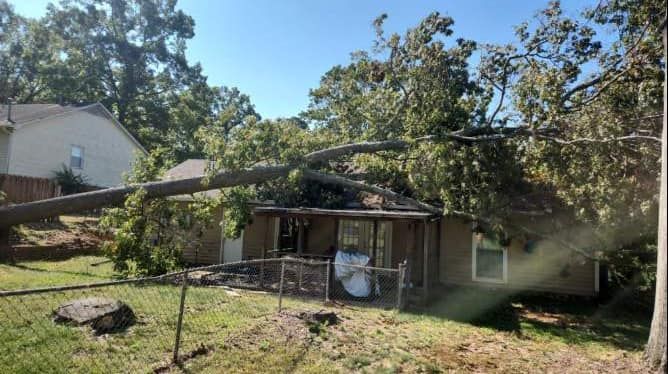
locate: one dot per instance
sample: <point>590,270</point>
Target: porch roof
<point>358,213</point>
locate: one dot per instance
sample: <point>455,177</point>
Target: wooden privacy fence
<point>23,189</point>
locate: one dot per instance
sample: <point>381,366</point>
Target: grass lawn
<point>240,331</point>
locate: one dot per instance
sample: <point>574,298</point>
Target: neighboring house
<point>439,251</point>
<point>37,139</point>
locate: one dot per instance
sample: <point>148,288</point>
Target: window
<point>349,234</point>
<point>490,261</point>
<point>76,157</point>
<point>359,235</point>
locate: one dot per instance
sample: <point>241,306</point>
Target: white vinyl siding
<point>38,149</point>
<point>4,152</point>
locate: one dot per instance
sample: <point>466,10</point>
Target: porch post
<point>374,240</point>
<point>300,236</point>
<point>425,260</point>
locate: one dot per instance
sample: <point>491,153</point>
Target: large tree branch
<point>29,212</point>
<point>341,181</point>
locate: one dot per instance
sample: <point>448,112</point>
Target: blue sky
<point>275,51</point>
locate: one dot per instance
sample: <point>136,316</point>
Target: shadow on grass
<point>56,271</point>
<point>573,320</point>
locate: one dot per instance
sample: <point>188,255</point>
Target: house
<point>439,251</point>
<point>37,139</point>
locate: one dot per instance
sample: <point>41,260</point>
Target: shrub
<point>69,181</point>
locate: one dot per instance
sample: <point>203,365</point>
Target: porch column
<point>425,260</point>
<point>300,236</point>
<point>374,240</point>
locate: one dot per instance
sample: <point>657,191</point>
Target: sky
<point>275,51</point>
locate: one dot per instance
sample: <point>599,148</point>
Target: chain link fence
<point>151,324</point>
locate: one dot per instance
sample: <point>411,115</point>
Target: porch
<point>388,237</point>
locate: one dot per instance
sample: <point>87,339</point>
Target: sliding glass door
<point>372,238</point>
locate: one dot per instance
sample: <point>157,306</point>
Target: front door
<point>233,248</point>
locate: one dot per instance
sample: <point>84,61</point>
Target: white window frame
<point>82,156</point>
<point>474,255</point>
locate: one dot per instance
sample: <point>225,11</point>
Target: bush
<point>69,181</point>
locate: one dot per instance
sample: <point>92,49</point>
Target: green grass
<point>468,330</point>
<point>34,274</point>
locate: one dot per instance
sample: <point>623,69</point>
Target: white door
<point>232,249</point>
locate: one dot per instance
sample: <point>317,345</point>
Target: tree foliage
<point>150,235</point>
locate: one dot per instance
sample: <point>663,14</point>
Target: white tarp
<point>355,280</point>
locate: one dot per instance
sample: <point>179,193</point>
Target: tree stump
<point>320,317</point>
<point>101,313</point>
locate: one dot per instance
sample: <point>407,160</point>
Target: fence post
<point>179,322</point>
<point>301,275</point>
<point>327,280</point>
<point>262,270</point>
<point>400,285</point>
<point>280,286</point>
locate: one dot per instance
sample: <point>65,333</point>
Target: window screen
<point>489,263</point>
<point>76,157</point>
<point>489,260</point>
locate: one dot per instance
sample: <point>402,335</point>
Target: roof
<point>24,114</point>
<point>187,169</point>
<point>190,168</point>
<point>359,213</point>
<point>362,202</point>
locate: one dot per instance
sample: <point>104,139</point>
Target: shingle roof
<point>190,168</point>
<point>197,167</point>
<point>23,113</point>
<point>187,169</point>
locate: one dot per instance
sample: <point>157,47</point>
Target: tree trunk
<point>656,344</point>
<point>33,211</point>
<point>30,212</point>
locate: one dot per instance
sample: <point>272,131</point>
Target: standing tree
<point>127,54</point>
<point>657,343</point>
<point>29,61</point>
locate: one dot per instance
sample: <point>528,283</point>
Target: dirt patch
<point>61,239</point>
<point>505,353</point>
<point>295,328</point>
<point>199,351</point>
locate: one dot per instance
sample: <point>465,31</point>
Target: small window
<point>76,157</point>
<point>490,261</point>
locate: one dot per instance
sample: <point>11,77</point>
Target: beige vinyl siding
<point>540,270</point>
<point>208,250</point>
<point>258,237</point>
<point>40,148</point>
<point>4,152</point>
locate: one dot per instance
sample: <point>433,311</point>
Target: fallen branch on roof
<point>341,181</point>
<point>36,210</point>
